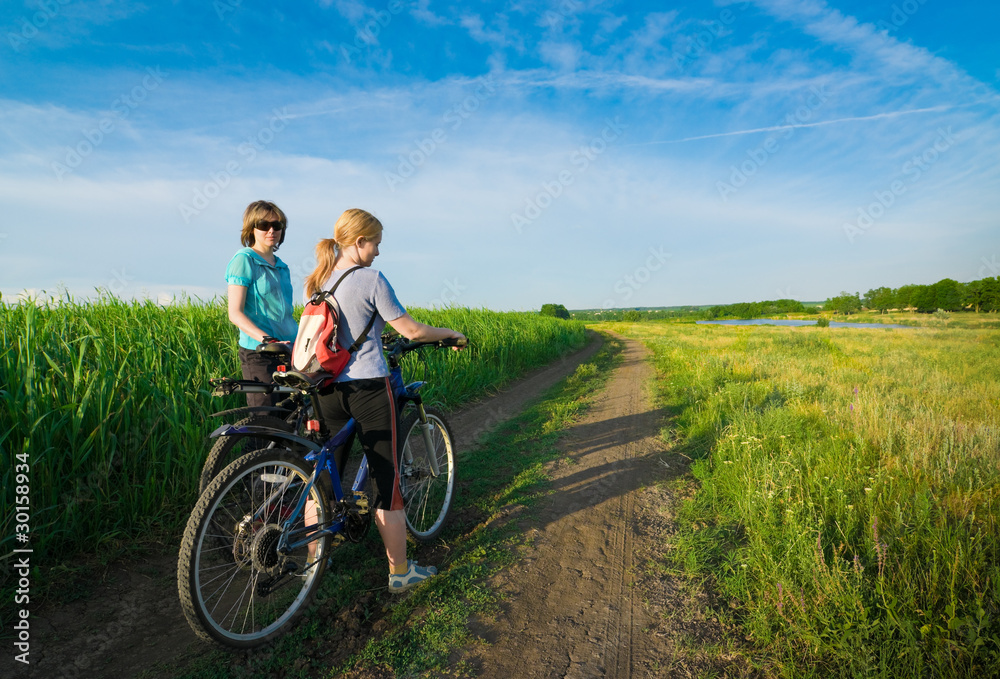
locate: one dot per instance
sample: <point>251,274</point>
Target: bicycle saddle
<point>279,348</point>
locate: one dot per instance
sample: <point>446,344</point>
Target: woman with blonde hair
<point>362,390</point>
<point>260,293</point>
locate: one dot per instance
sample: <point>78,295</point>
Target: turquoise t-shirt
<point>269,295</point>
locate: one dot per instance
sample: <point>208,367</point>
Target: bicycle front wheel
<point>235,587</point>
<point>426,473</point>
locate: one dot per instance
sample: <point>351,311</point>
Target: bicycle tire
<point>235,588</point>
<point>226,449</point>
<point>426,498</point>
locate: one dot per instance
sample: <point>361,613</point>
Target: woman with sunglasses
<point>260,293</point>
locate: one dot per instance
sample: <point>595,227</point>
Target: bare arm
<point>237,300</point>
<point>421,332</point>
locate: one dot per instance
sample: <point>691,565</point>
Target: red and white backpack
<point>316,348</point>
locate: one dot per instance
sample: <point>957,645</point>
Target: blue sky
<point>577,152</point>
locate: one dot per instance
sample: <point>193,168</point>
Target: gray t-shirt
<point>363,292</point>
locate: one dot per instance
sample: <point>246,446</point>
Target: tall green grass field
<point>109,402</point>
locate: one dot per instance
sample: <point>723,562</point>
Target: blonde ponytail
<point>326,258</point>
<point>350,226</point>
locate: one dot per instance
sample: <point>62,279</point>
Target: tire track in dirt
<point>132,620</point>
<point>571,609</point>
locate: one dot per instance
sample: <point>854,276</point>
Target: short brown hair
<point>259,211</point>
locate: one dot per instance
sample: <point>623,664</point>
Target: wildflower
<point>868,490</point>
<point>851,407</point>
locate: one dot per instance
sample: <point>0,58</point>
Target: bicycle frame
<point>323,456</point>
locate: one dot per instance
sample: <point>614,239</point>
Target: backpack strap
<point>341,280</point>
<point>364,335</point>
<point>371,321</point>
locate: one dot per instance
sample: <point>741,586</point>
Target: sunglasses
<point>267,226</point>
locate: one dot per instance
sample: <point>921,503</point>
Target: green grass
<point>499,482</point>
<point>110,403</point>
<point>849,493</point>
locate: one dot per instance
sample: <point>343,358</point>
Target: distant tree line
<point>979,296</point>
<point>947,294</point>
<point>746,310</point>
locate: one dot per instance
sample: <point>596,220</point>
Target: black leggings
<point>371,404</point>
<point>260,367</point>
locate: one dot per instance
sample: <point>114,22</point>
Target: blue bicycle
<point>257,542</point>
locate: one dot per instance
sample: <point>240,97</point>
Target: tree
<point>557,310</point>
<point>947,295</point>
<point>905,295</point>
<point>972,295</point>
<point>881,299</point>
<point>924,299</point>
<point>991,294</point>
<point>632,316</point>
<point>844,303</point>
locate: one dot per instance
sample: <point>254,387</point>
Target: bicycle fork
<point>426,428</point>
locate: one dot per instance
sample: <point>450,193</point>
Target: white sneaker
<point>414,575</point>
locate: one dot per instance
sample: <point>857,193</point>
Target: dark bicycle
<point>289,414</point>
<point>256,545</point>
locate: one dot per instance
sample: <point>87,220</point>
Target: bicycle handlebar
<point>397,348</point>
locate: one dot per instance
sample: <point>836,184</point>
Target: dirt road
<point>573,608</point>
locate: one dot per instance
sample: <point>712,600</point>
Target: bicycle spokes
<point>244,584</point>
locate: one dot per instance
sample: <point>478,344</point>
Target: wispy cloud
<point>820,123</point>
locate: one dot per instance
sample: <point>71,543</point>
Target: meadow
<point>110,403</point>
<point>847,496</point>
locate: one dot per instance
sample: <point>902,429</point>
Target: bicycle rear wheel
<point>427,496</point>
<point>235,588</point>
<point>226,449</point>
